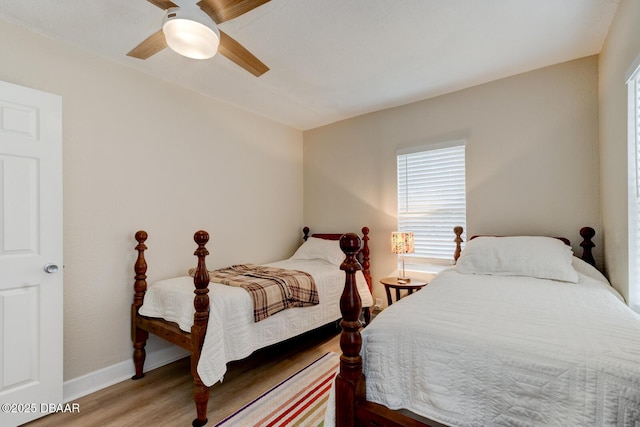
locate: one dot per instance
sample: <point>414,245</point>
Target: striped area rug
<point>300,400</point>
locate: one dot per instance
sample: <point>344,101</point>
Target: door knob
<point>51,268</point>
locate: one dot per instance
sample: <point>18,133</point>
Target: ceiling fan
<point>192,30</point>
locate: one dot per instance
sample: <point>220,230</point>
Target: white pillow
<point>583,267</point>
<point>532,256</point>
<point>316,248</point>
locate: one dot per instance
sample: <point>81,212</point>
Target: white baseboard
<point>105,377</point>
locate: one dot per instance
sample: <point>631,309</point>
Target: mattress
<point>478,350</point>
<point>232,333</point>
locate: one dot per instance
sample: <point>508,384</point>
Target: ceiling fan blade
<point>224,10</point>
<point>149,46</point>
<point>163,4</point>
<point>235,52</point>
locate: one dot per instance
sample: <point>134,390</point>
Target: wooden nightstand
<point>392,283</point>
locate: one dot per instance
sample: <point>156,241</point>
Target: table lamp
<point>402,243</point>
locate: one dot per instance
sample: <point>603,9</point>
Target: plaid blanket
<point>272,289</point>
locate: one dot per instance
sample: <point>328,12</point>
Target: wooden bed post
<point>305,230</point>
<point>139,336</point>
<point>199,329</point>
<point>587,234</point>
<point>366,265</point>
<point>458,231</point>
<point>349,381</point>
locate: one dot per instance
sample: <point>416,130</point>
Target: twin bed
<point>217,323</point>
<point>518,333</point>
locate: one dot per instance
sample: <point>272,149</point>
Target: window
<point>431,201</point>
<point>633,84</point>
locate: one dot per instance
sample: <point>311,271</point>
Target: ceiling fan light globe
<point>191,35</point>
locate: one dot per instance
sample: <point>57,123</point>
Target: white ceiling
<point>334,59</point>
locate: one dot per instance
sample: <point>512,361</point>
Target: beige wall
<point>532,159</point>
<point>140,153</point>
<point>621,48</point>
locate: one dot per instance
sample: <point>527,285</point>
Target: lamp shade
<point>191,33</point>
<point>402,242</point>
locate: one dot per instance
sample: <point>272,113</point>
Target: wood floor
<point>164,397</point>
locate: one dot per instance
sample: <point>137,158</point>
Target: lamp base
<point>403,280</point>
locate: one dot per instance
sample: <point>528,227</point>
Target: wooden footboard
<point>352,408</point>
<point>141,326</point>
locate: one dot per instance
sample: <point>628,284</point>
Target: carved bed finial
<point>305,230</point>
<point>201,276</point>
<point>140,268</point>
<point>587,234</point>
<point>458,231</point>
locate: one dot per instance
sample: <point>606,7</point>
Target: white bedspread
<point>471,350</point>
<point>232,333</point>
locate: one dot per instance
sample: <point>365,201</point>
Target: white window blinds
<point>634,193</point>
<point>431,201</point>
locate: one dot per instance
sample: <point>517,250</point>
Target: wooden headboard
<point>363,254</point>
<point>587,244</point>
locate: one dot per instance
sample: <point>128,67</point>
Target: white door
<point>30,238</point>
